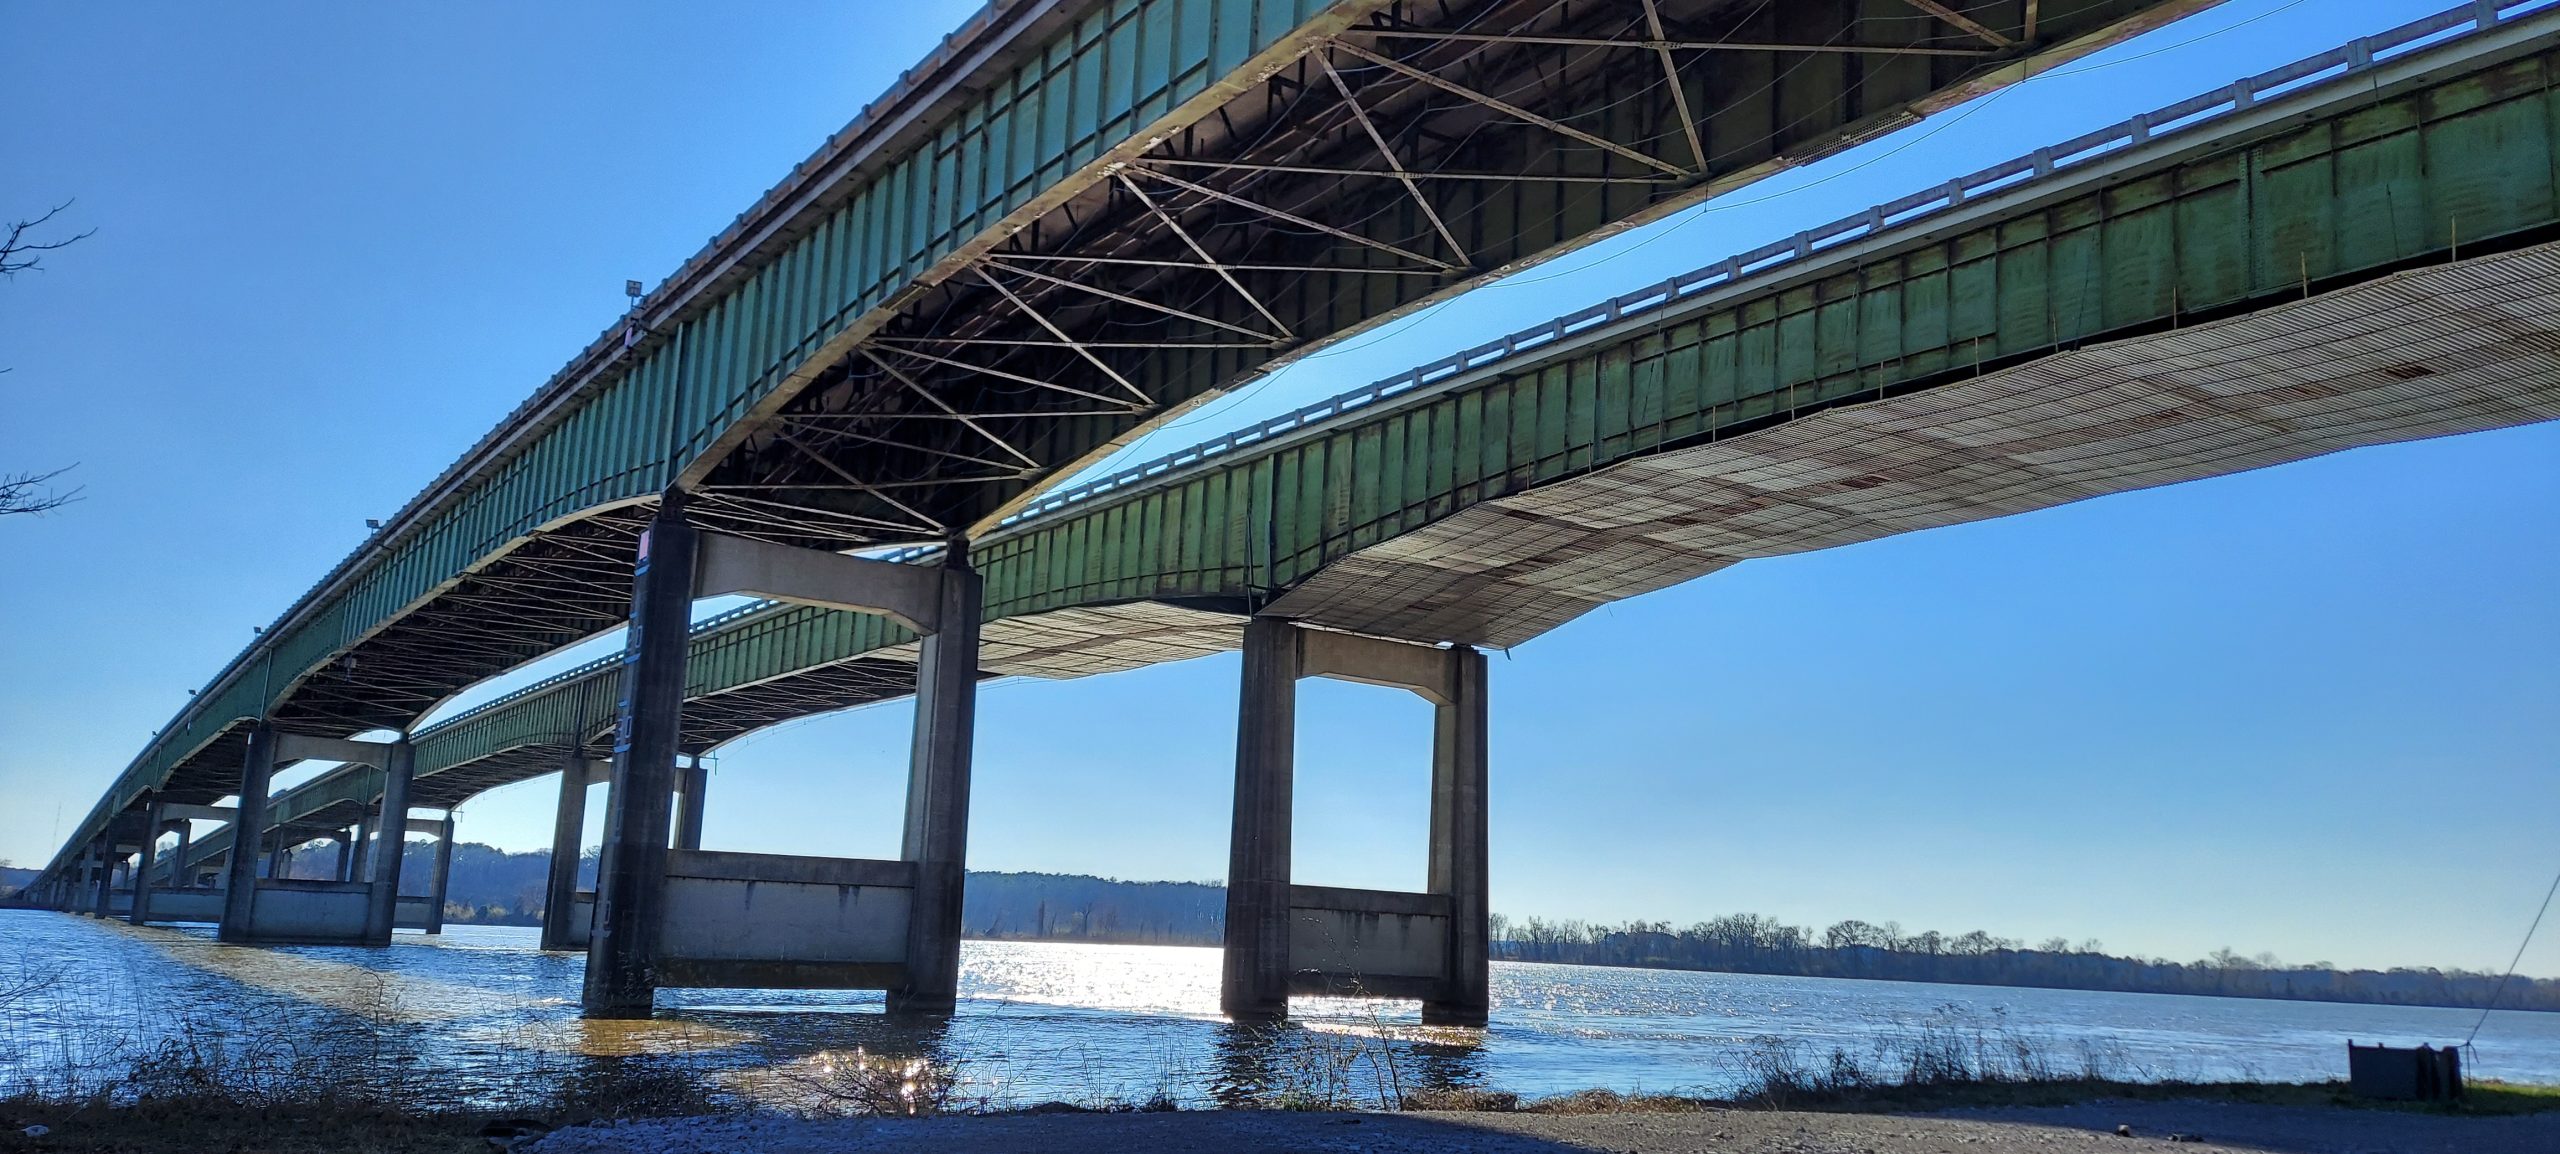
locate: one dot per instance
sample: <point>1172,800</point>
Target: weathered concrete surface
<point>1254,978</point>
<point>1461,837</point>
<point>310,911</point>
<point>560,911</point>
<point>2223,1128</point>
<point>792,921</point>
<point>1387,943</point>
<point>415,912</point>
<point>639,809</point>
<point>935,840</point>
<point>188,905</point>
<point>241,884</point>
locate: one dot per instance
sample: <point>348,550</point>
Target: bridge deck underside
<point>864,374</point>
<point>2195,307</point>
<point>2426,353</point>
<point>2431,352</point>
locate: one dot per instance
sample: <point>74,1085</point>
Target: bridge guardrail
<point>2190,115</point>
<point>2045,163</point>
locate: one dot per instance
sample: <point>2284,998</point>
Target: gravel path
<point>2219,1128</point>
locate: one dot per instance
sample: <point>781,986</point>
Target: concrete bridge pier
<point>681,916</point>
<point>97,879</point>
<point>567,912</point>
<point>690,783</point>
<point>1284,939</point>
<point>362,866</point>
<point>249,821</point>
<point>937,828</point>
<point>631,880</point>
<point>172,886</point>
<point>278,908</point>
<point>443,875</point>
<point>152,827</point>
<point>391,837</point>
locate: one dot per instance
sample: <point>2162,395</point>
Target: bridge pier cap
<point>630,954</point>
<point>1283,938</point>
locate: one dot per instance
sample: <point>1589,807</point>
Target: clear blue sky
<point>2308,710</point>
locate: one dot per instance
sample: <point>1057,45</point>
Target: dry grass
<point>157,1127</point>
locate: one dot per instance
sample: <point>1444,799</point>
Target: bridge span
<point>1072,221</point>
<point>2349,251</point>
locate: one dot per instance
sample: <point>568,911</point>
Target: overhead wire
<point>2512,964</point>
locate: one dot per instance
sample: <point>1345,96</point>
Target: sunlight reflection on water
<point>487,1016</point>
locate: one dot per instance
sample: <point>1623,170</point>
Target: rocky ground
<point>2199,1127</point>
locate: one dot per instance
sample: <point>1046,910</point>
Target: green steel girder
<point>2450,153</point>
<point>1015,140</point>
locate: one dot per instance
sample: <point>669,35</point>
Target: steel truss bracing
<point>1901,421</point>
<point>1385,164</point>
<point>1340,177</point>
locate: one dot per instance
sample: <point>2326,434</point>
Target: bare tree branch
<point>22,252</point>
<point>31,493</point>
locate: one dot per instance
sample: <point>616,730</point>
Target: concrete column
<point>102,882</point>
<point>361,867</point>
<point>689,790</point>
<point>247,827</point>
<point>444,874</point>
<point>937,829</point>
<point>182,873</point>
<point>1254,984</point>
<point>392,835</point>
<point>338,866</point>
<point>1459,838</point>
<point>568,833</point>
<point>631,887</point>
<point>141,914</point>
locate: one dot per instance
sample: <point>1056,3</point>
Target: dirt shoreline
<point>2211,1127</point>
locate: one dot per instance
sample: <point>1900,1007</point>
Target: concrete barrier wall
<point>413,913</point>
<point>308,911</point>
<point>1376,941</point>
<point>770,920</point>
<point>186,905</point>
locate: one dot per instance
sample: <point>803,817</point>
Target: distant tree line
<point>1752,944</point>
<point>491,886</point>
<point>1078,908</point>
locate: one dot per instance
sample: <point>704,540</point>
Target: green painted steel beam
<point>1028,107</point>
<point>2376,179</point>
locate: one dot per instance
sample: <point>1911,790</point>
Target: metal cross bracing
<point>1381,156</point>
<point>1412,153</point>
<point>1531,518</point>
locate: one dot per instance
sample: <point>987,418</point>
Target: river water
<point>480,1014</point>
